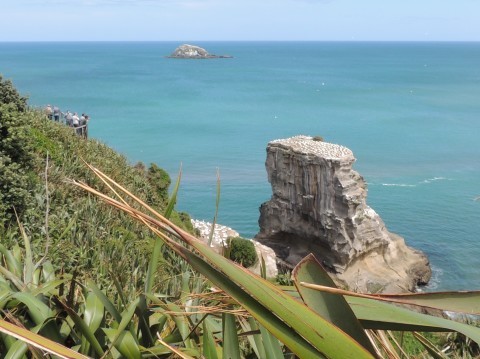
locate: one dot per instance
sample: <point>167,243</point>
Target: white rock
<point>219,240</point>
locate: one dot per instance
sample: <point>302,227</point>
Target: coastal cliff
<point>319,206</point>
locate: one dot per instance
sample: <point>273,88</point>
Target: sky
<point>239,20</point>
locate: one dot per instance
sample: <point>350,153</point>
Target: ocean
<point>410,112</point>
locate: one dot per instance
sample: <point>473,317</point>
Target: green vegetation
<point>242,251</point>
<point>38,159</point>
<point>95,269</point>
<point>16,159</point>
<point>10,96</point>
<point>159,179</point>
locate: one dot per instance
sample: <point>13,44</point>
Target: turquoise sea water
<point>409,111</point>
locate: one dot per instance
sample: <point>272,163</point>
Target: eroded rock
<point>319,206</point>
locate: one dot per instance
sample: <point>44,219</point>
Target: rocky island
<point>186,51</point>
<point>319,206</point>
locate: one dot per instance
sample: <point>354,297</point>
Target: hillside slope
<point>38,158</point>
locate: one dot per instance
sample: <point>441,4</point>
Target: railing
<point>81,130</point>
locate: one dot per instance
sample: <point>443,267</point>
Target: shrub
<point>16,161</point>
<point>159,179</point>
<point>242,251</point>
<point>15,157</point>
<point>9,95</point>
<point>183,220</point>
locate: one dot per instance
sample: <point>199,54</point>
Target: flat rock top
<point>308,146</point>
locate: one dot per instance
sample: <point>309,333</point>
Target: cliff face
<point>319,206</point>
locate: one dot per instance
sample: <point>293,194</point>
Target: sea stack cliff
<point>319,206</point>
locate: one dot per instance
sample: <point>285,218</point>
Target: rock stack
<point>319,206</point>
<point>187,51</point>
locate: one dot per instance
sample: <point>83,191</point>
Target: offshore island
<point>187,51</point>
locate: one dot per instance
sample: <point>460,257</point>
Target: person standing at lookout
<point>49,112</point>
<point>83,124</point>
<point>76,122</point>
<point>68,118</point>
<point>85,130</point>
<point>56,113</point>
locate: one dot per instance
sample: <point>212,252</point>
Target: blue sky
<point>183,20</point>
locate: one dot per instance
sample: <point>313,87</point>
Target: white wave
<point>430,180</point>
<point>426,181</point>
<point>399,185</point>
<point>437,274</point>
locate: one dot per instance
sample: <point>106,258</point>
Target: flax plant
<point>326,322</point>
<point>211,308</point>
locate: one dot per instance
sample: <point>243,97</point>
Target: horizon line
<point>187,41</point>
